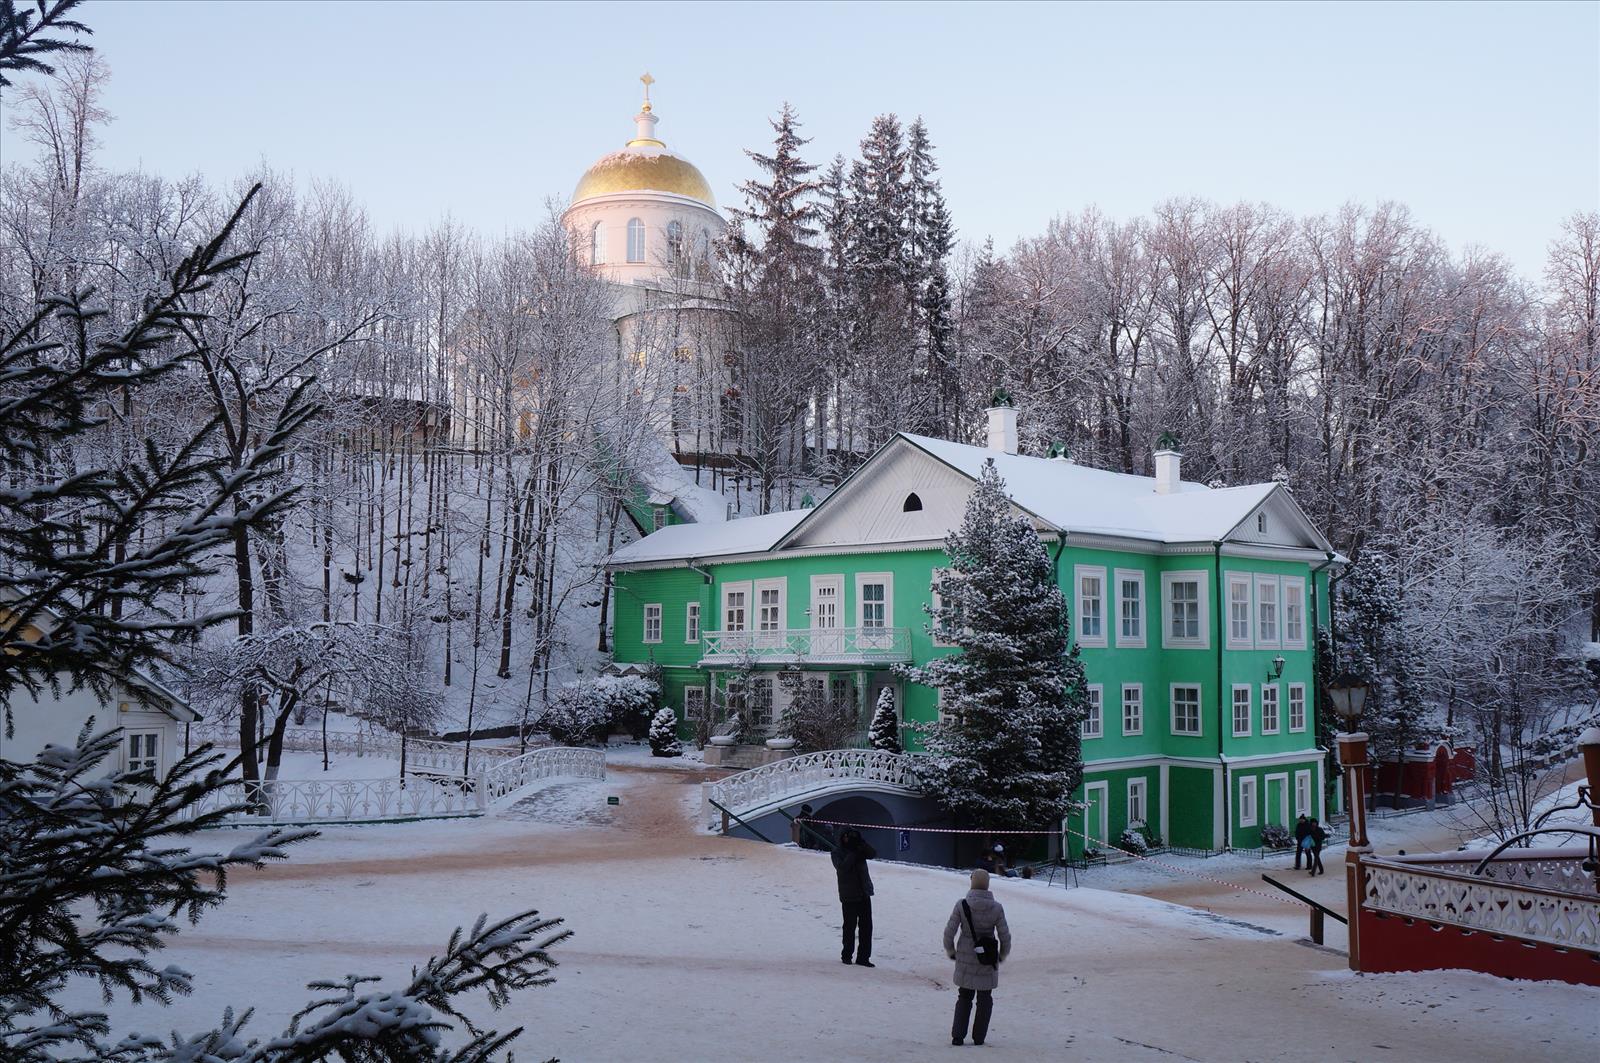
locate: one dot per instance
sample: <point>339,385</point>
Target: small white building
<point>152,718</point>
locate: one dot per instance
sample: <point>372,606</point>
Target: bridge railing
<point>797,776</point>
<point>343,800</point>
<point>498,781</point>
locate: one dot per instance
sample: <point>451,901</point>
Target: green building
<point>1194,609</point>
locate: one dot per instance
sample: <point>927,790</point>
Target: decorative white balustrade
<point>793,777</point>
<point>377,800</point>
<point>1551,869</point>
<point>421,754</point>
<point>828,645</point>
<point>346,800</point>
<point>495,783</point>
<point>1457,898</point>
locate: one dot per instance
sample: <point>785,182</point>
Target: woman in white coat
<point>973,977</point>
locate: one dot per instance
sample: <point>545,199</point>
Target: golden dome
<point>644,167</point>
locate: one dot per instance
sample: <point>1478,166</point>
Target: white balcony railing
<point>828,645</point>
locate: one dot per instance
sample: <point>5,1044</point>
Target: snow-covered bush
<point>885,731</point>
<point>814,718</point>
<point>664,734</point>
<point>583,713</point>
<point>1133,841</point>
<point>1276,836</point>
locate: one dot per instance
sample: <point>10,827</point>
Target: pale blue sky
<point>1485,119</point>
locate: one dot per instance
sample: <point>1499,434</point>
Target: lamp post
<point>1275,669</point>
<point>1349,697</point>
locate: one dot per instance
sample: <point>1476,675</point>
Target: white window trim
<point>1277,693</point>
<point>1199,577</point>
<point>1097,692</point>
<point>1249,710</point>
<point>749,604</point>
<point>885,578</point>
<point>1247,785</point>
<point>1142,785</point>
<point>1276,640</point>
<point>1303,776</point>
<point>704,700</point>
<point>1079,574</point>
<point>127,757</point>
<point>836,581</point>
<point>1293,585</point>
<point>691,622</point>
<point>1137,688</point>
<point>781,585</point>
<point>937,601</point>
<point>1305,715</point>
<point>645,621</point>
<point>1200,709</point>
<point>1237,580</point>
<point>1142,640</point>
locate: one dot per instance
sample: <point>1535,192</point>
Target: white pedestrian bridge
<point>807,777</point>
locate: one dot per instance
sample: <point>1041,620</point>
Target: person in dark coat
<point>1319,838</point>
<point>973,978</point>
<point>1302,827</point>
<point>855,895</point>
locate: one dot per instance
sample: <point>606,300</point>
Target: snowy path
<point>691,947</point>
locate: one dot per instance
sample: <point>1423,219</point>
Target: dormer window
<point>913,504</point>
<point>1261,523</point>
<point>635,240</point>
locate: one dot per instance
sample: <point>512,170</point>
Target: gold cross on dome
<point>648,81</point>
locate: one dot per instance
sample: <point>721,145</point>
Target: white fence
<point>379,800</point>
<point>1495,906</point>
<point>421,754</point>
<point>793,777</point>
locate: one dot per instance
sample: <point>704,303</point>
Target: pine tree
<point>885,731</point>
<point>1014,698</point>
<point>664,734</point>
<point>94,873</point>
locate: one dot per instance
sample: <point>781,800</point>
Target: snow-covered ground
<point>691,947</point>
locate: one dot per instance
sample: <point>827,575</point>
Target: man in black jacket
<point>855,895</point>
<point>1302,827</point>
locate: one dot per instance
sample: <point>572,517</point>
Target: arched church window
<point>597,244</point>
<point>675,255</point>
<point>912,503</point>
<point>635,240</point>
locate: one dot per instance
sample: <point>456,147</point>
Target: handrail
<point>1464,879</point>
<point>727,812</point>
<point>1297,895</point>
<point>807,828</point>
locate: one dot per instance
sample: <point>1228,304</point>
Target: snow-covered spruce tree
<point>884,733</point>
<point>94,873</point>
<point>664,734</point>
<point>1008,754</point>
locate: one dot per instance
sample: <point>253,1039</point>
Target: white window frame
<point>1261,522</point>
<point>1202,604</point>
<point>762,681</point>
<point>691,695</point>
<point>1269,639</point>
<point>1137,690</point>
<point>1302,787</point>
<point>1094,722</point>
<point>691,622</point>
<point>1294,589</point>
<point>1300,689</point>
<point>833,582</point>
<point>1249,805</point>
<point>1081,573</point>
<point>1199,709</point>
<point>150,760</point>
<point>652,612</point>
<point>1277,708</point>
<point>1249,709</point>
<point>728,590</point>
<point>937,601</point>
<point>863,579</point>
<point>1138,793</point>
<point>597,244</point>
<point>1237,582</point>
<point>637,242</point>
<point>658,518</point>
<point>770,636</point>
<point>938,703</point>
<point>1141,639</point>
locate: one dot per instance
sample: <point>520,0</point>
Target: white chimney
<point>1003,429</point>
<point>1168,463</point>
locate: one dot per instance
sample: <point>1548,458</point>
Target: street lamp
<point>1349,697</point>
<point>1276,671</point>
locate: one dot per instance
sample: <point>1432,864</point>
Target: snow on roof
<point>749,535</point>
<point>659,471</point>
<point>1081,499</point>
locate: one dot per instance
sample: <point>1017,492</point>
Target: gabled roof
<point>1060,495</point>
